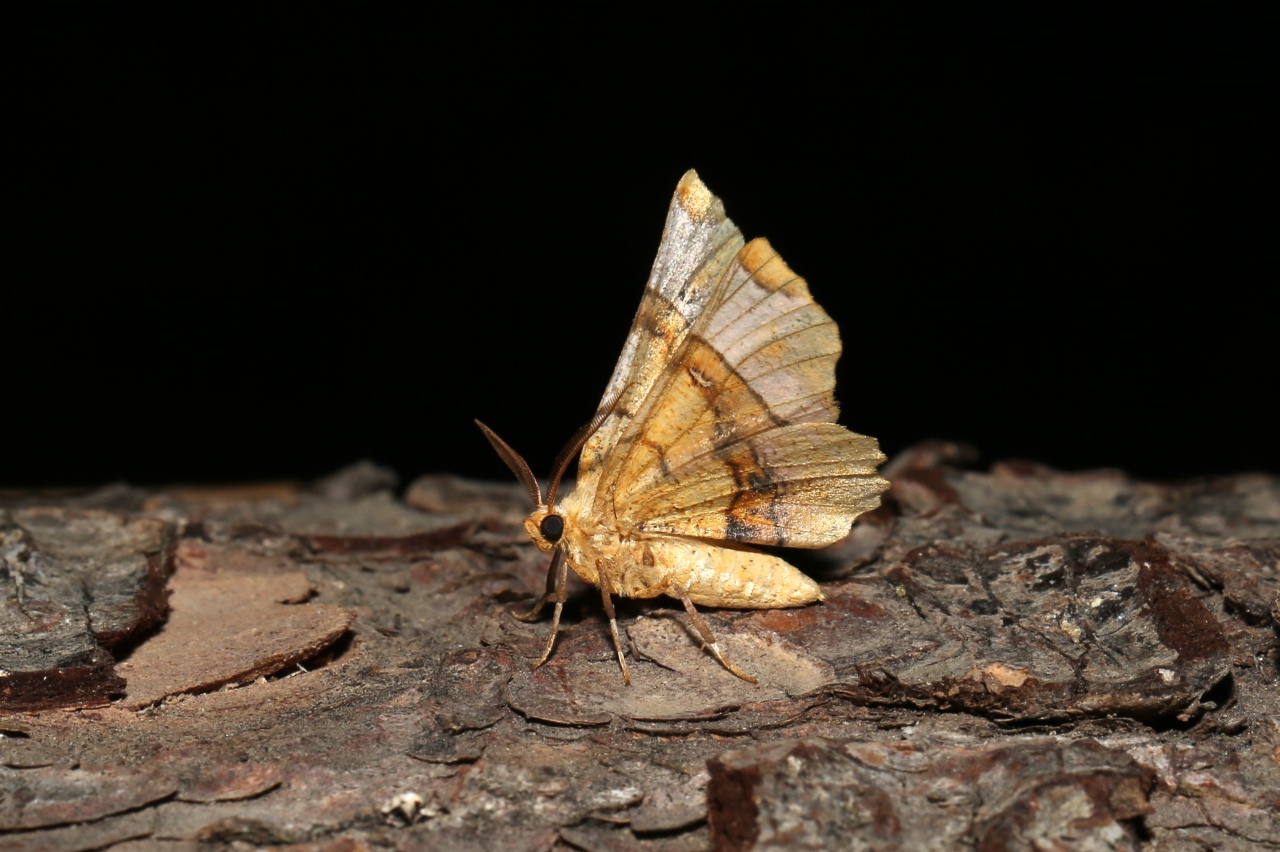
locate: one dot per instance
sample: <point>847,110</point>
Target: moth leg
<point>552,593</point>
<point>560,569</point>
<point>607,596</point>
<point>708,639</point>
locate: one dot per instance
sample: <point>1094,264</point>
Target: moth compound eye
<point>551,527</point>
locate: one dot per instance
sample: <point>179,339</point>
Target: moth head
<point>545,526</point>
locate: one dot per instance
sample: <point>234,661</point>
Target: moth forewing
<point>717,432</point>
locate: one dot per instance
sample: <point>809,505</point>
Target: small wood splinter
<point>717,432</point>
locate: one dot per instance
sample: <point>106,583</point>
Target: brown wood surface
<point>1006,659</point>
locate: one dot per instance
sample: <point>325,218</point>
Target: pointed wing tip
<point>695,199</point>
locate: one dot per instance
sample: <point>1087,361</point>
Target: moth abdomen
<point>717,575</point>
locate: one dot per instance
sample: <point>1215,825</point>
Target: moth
<point>717,432</point>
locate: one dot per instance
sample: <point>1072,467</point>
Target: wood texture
<point>1004,658</point>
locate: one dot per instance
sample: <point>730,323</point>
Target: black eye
<point>551,527</point>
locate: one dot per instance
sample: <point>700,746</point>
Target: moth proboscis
<point>717,433</point>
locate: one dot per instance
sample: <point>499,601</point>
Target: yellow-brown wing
<point>798,486</point>
<point>736,437</point>
<point>698,244</point>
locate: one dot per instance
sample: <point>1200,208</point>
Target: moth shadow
<point>658,612</point>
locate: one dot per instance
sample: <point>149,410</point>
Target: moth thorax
<point>545,527</point>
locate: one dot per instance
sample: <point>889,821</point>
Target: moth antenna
<point>517,464</point>
<point>577,442</point>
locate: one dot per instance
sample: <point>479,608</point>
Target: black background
<point>268,246</point>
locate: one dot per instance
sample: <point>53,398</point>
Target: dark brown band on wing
<point>754,511</point>
<point>732,402</point>
<point>734,409</point>
<point>729,411</point>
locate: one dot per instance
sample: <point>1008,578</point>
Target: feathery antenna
<point>517,464</point>
<point>577,442</point>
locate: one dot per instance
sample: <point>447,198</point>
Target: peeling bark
<point>1005,659</point>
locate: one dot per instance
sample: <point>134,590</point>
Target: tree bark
<point>1015,658</point>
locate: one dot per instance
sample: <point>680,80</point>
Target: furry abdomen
<point>711,574</point>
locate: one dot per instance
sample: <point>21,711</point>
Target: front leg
<point>557,582</point>
<point>552,592</point>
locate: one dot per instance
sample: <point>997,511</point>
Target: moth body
<point>645,565</point>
